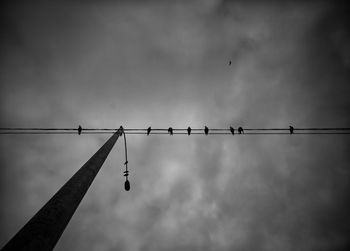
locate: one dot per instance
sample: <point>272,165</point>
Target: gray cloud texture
<point>165,64</point>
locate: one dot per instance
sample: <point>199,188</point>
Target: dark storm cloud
<point>166,64</point>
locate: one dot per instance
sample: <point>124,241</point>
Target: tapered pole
<point>45,228</point>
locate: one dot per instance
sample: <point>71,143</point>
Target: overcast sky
<point>161,64</point>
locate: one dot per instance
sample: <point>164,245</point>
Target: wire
<point>175,133</point>
<point>166,129</point>
<point>126,156</point>
<point>126,172</point>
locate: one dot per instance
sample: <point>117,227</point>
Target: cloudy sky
<point>165,63</point>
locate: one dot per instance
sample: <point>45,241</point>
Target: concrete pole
<point>45,228</point>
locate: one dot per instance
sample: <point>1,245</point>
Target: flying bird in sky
<point>240,130</point>
<point>206,130</point>
<point>189,130</point>
<point>170,131</point>
<point>148,130</point>
<point>232,130</point>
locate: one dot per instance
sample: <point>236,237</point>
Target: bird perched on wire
<point>170,131</point>
<point>206,130</point>
<point>148,130</point>
<point>79,129</point>
<point>189,130</point>
<point>291,129</point>
<point>240,130</point>
<point>232,130</point>
<point>121,130</point>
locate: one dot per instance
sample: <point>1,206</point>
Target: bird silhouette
<point>229,62</point>
<point>79,129</point>
<point>232,130</point>
<point>206,130</point>
<point>121,130</point>
<point>148,130</point>
<point>189,130</point>
<point>291,129</point>
<point>170,131</point>
<point>240,130</point>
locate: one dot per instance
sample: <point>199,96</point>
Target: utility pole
<point>45,228</point>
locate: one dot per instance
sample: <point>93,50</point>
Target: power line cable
<point>166,129</point>
<point>177,131</point>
